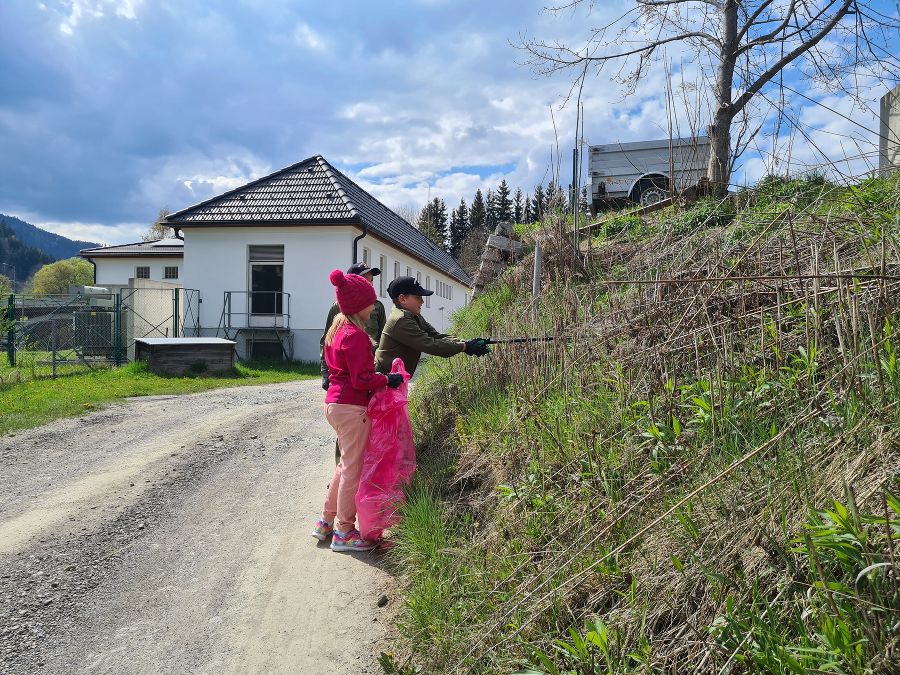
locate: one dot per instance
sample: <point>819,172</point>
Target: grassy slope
<point>701,480</point>
<point>34,402</point>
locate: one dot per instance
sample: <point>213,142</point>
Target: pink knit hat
<point>354,293</point>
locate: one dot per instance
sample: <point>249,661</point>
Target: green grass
<point>522,545</point>
<point>34,402</point>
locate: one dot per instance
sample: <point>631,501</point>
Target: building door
<point>266,281</point>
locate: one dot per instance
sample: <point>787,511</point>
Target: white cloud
<point>96,9</point>
<point>183,180</point>
<point>121,233</point>
<point>305,36</point>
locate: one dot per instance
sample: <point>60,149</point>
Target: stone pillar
<point>889,135</point>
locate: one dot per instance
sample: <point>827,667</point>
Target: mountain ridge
<point>54,245</point>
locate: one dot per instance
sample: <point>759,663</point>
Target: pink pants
<point>352,425</point>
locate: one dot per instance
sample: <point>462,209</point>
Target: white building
<point>114,266</point>
<point>260,256</point>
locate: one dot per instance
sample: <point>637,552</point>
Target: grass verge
<point>34,402</point>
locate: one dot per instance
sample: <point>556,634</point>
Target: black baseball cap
<point>406,286</point>
<point>361,268</point>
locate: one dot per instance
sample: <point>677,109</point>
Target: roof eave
<point>274,222</point>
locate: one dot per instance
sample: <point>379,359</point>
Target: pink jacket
<point>351,367</point>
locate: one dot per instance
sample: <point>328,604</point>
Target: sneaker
<point>322,530</point>
<point>351,541</point>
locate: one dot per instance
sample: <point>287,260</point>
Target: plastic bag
<point>390,459</point>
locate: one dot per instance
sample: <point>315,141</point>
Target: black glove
<point>477,347</point>
<point>394,380</point>
<point>325,381</point>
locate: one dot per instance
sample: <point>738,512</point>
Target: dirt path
<point>170,535</point>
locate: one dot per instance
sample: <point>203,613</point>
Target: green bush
<point>705,213</point>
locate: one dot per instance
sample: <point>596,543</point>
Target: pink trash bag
<point>390,459</point>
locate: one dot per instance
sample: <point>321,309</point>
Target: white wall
<point>117,271</point>
<point>431,311</point>
<point>216,260</point>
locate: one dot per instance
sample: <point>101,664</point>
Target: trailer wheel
<point>650,190</point>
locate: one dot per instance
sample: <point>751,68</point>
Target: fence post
<point>11,332</point>
<point>175,313</point>
<point>117,341</point>
<point>53,344</point>
<point>536,283</point>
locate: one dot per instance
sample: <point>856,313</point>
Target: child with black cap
<point>407,334</point>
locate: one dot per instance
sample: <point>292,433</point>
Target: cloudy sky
<point>113,109</point>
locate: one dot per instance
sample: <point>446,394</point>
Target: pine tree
<point>527,215</point>
<point>459,227</point>
<point>539,204</point>
<point>472,249</point>
<point>490,210</point>
<point>504,203</point>
<point>478,212</point>
<point>440,220</point>
<point>428,223</point>
<point>518,207</point>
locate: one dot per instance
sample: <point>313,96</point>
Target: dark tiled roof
<point>314,192</point>
<point>158,248</point>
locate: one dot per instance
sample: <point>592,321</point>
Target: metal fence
<point>56,334</point>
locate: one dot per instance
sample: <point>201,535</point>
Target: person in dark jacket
<point>374,325</point>
<point>348,355</point>
<point>407,334</point>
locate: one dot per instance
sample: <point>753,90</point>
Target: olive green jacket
<point>407,335</point>
<point>374,326</point>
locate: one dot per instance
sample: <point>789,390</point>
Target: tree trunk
<point>719,168</point>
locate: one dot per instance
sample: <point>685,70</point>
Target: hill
<point>25,260</point>
<point>700,475</point>
<point>54,245</point>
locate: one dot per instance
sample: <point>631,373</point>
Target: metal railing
<point>255,309</point>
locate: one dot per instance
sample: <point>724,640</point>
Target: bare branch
<point>738,105</point>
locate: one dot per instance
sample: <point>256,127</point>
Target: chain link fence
<point>51,335</point>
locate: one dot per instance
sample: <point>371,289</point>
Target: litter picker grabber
<point>506,341</point>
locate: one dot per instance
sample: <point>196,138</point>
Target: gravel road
<point>171,535</point>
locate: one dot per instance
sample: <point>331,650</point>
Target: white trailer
<point>644,172</point>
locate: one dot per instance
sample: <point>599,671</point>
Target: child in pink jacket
<point>352,378</point>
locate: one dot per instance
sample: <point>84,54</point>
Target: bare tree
<point>739,47</point>
<point>409,212</point>
<point>159,230</point>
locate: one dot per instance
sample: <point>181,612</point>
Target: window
<point>450,292</point>
<point>396,269</point>
<point>409,271</point>
<point>142,273</point>
<point>419,278</point>
<point>428,288</point>
<point>266,279</point>
<point>367,255</point>
<point>382,265</point>
<point>171,273</point>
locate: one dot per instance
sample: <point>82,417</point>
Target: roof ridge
<point>415,229</point>
<point>330,171</point>
<point>233,191</point>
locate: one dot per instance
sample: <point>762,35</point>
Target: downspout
<point>177,231</point>
<point>91,260</point>
<point>365,231</point>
